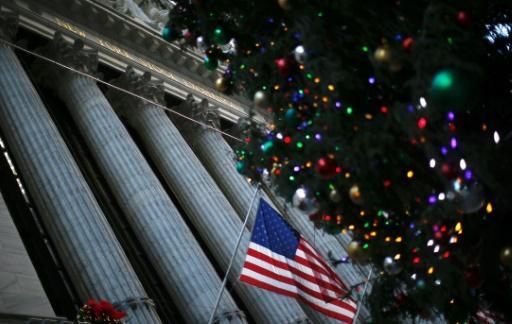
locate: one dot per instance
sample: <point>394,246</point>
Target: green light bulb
<point>443,80</point>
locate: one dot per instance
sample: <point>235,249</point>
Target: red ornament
<point>283,66</point>
<point>326,167</point>
<point>407,43</point>
<point>315,217</point>
<point>187,34</point>
<point>448,171</point>
<point>472,277</point>
<point>462,17</point>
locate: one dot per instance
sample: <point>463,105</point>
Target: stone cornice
<point>123,42</point>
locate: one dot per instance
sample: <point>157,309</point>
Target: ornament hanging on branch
<point>211,59</point>
<point>219,36</point>
<point>300,55</point>
<point>355,195</point>
<point>506,257</point>
<point>285,4</point>
<point>470,199</point>
<point>284,66</point>
<point>292,117</point>
<point>334,196</point>
<point>169,33</point>
<point>304,200</point>
<point>357,253</point>
<point>201,43</point>
<point>382,54</point>
<point>260,99</point>
<point>472,277</point>
<point>326,167</point>
<point>391,266</point>
<point>222,84</point>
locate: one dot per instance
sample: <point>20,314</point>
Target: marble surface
<point>21,291</point>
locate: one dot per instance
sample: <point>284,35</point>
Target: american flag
<point>280,260</point>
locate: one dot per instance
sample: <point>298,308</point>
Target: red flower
<point>101,311</point>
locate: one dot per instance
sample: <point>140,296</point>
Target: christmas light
<point>496,137</point>
<point>488,208</point>
<point>462,164</point>
<point>453,143</point>
<point>422,123</point>
<point>423,102</point>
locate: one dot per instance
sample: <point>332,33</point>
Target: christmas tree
<point>390,120</point>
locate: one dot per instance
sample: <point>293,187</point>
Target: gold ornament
<point>260,99</point>
<point>506,256</point>
<point>355,195</point>
<point>395,66</point>
<point>284,4</point>
<point>221,84</point>
<point>356,253</point>
<point>382,54</point>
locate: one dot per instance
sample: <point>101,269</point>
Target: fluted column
<point>84,240</point>
<point>173,251</point>
<point>218,157</point>
<point>204,203</point>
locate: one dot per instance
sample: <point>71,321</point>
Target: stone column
<point>218,157</point>
<point>170,245</point>
<point>204,203</point>
<point>84,240</point>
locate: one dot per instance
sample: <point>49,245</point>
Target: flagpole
<point>210,321</point>
<point>362,296</point>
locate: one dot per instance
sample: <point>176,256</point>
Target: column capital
<point>73,55</point>
<point>8,25</point>
<point>201,111</point>
<point>139,84</point>
<point>236,316</point>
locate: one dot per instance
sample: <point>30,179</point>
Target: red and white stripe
<point>307,277</point>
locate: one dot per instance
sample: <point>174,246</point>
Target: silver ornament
<point>260,99</point>
<point>334,196</point>
<point>470,199</point>
<point>201,43</point>
<point>229,48</point>
<point>304,200</point>
<point>265,177</point>
<point>300,55</point>
<point>391,266</point>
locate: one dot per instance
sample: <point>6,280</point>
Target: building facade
<point>111,189</point>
